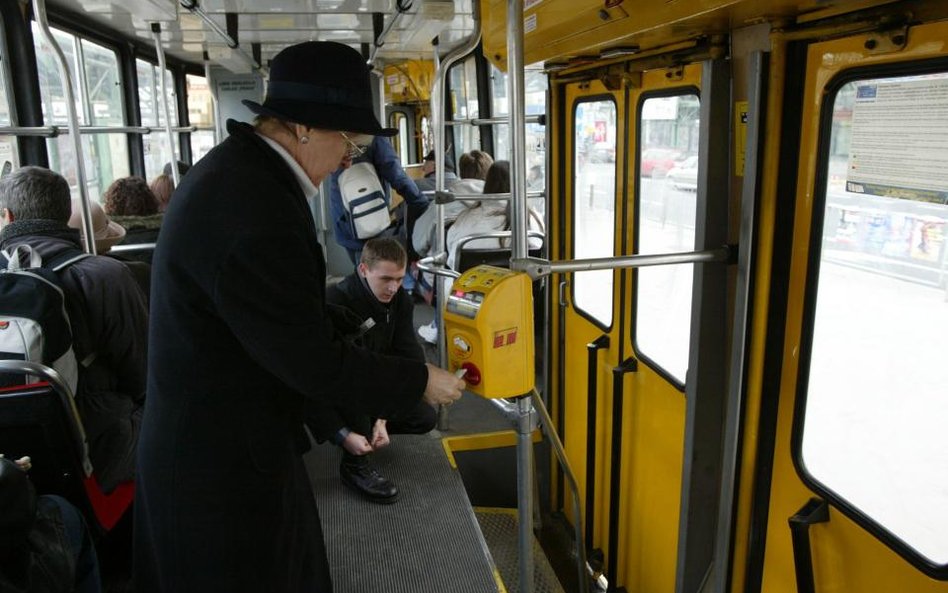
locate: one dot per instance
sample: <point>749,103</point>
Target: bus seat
<point>36,421</point>
<point>500,257</point>
<point>466,258</point>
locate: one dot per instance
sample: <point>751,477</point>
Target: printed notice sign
<point>899,143</point>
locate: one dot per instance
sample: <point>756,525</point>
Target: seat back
<point>40,421</point>
<point>500,257</point>
<point>468,257</point>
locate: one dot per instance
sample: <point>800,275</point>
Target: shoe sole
<point>377,500</point>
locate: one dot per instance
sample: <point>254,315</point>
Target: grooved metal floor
<point>428,541</point>
<point>500,530</point>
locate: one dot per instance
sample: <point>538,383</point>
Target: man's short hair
<point>474,164</point>
<point>32,193</point>
<point>383,249</point>
<point>448,160</point>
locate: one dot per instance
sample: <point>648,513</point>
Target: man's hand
<point>443,387</point>
<point>24,463</point>
<point>356,444</point>
<point>380,434</point>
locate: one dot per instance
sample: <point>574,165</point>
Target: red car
<point>657,162</point>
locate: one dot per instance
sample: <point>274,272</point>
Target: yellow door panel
<point>636,394</point>
<point>654,414</point>
<point>872,270</point>
<point>594,115</point>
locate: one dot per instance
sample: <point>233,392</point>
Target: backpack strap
<point>57,264</point>
<point>64,259</point>
<point>12,258</point>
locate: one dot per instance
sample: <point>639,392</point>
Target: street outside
<point>877,401</point>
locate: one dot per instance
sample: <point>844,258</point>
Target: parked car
<point>603,152</point>
<point>657,162</point>
<point>684,175</point>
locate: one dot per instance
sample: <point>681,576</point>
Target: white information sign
<point>900,140</point>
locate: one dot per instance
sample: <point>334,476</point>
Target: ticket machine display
<point>488,322</point>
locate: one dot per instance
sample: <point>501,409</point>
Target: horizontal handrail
<point>484,121</point>
<point>438,269</point>
<point>444,197</point>
<point>56,381</point>
<point>54,131</point>
<point>131,247</point>
<point>538,268</point>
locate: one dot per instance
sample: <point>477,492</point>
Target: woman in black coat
<point>240,338</point>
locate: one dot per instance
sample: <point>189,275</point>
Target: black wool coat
<point>239,339</point>
<point>352,303</point>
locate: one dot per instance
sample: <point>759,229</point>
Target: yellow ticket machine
<point>488,322</point>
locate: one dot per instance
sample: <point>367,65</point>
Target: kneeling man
<point>370,309</point>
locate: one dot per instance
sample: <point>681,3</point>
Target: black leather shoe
<point>360,475</point>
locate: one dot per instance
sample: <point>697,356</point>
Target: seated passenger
<point>108,315</point>
<point>44,543</point>
<point>370,309</point>
<point>105,234</point>
<point>163,187</point>
<point>489,216</point>
<point>427,183</point>
<point>183,168</point>
<point>131,203</point>
<point>473,169</point>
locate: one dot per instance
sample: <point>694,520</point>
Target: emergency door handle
<point>814,511</point>
<point>629,365</point>
<point>592,388</point>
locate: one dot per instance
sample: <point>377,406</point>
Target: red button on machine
<point>473,374</point>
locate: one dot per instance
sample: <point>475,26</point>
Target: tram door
<point>859,423</point>
<point>630,188</point>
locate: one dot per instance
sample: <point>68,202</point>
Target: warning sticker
<point>505,337</point>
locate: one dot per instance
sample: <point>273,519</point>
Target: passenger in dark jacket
<point>44,544</point>
<point>382,155</point>
<point>240,339</point>
<point>107,313</point>
<point>370,308</point>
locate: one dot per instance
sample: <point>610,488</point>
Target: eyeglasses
<point>354,149</point>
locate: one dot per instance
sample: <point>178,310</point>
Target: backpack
<point>364,201</point>
<point>34,325</point>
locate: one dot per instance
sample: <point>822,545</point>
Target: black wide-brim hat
<point>321,84</point>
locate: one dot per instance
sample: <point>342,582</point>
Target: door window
<point>873,430</point>
<point>594,207</point>
<point>668,182</point>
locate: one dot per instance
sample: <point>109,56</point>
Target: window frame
<point>679,384</point>
<point>606,328</point>
<point>815,240</point>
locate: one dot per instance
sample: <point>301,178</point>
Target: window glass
<point>200,115</point>
<point>6,100</point>
<point>874,431</point>
<point>464,105</point>
<point>594,205</point>
<point>105,157</point>
<point>155,144</point>
<point>535,83</point>
<point>668,180</point>
<point>398,121</point>
<point>149,92</point>
<point>103,85</point>
<point>147,96</point>
<point>9,154</point>
<point>427,136</point>
<point>157,154</point>
<point>200,102</point>
<point>52,95</point>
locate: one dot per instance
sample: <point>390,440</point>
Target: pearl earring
<point>304,139</point>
